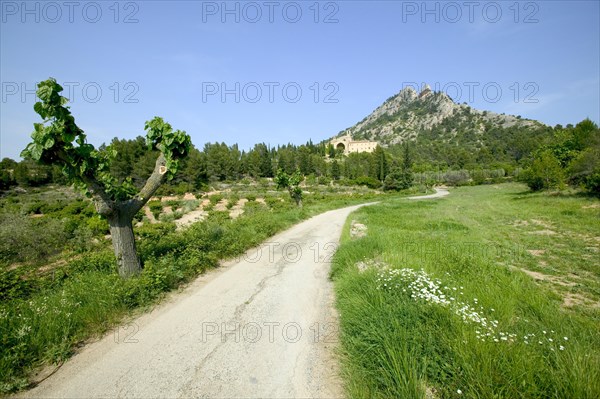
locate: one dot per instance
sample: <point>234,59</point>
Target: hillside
<point>408,113</point>
<point>438,125</point>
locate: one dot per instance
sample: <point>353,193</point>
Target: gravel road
<point>439,193</point>
<point>262,326</point>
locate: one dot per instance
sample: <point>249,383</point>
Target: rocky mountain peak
<point>426,91</point>
<point>408,113</point>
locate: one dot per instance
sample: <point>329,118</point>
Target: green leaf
<point>68,137</point>
<point>49,143</point>
<point>35,150</point>
<point>38,107</point>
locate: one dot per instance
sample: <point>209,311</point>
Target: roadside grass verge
<point>438,299</point>
<point>46,314</point>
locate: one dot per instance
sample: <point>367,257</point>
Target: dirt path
<point>260,327</point>
<point>439,193</point>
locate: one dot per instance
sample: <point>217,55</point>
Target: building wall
<point>354,146</point>
<point>362,146</point>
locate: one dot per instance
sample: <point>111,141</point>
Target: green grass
<point>47,312</point>
<point>403,339</point>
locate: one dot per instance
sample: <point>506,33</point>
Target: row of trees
<point>499,149</point>
<point>571,157</point>
<point>215,162</point>
<point>568,156</point>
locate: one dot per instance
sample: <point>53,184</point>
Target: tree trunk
<point>123,240</point>
<point>297,197</point>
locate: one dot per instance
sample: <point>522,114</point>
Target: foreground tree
<point>291,183</point>
<point>59,141</point>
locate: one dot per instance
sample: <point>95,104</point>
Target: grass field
<point>491,292</point>
<point>56,293</point>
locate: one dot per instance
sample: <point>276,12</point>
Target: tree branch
<point>105,206</point>
<point>152,184</point>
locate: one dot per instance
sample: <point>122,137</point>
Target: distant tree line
<point>569,155</point>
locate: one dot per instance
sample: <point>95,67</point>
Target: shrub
<point>166,218</point>
<point>592,183</point>
<point>367,181</point>
<point>23,239</point>
<point>324,180</point>
<point>190,205</point>
<point>457,177</point>
<point>12,286</point>
<point>102,261</point>
<point>155,207</point>
<point>98,226</point>
<point>274,202</point>
<point>545,172</point>
<point>398,179</point>
<point>215,198</point>
<point>173,204</point>
<point>83,239</point>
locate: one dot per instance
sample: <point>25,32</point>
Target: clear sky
<point>283,71</point>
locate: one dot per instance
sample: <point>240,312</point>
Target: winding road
<point>439,193</point>
<point>262,326</point>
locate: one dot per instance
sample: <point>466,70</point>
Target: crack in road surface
<point>263,326</point>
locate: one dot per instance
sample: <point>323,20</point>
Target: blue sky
<point>279,71</point>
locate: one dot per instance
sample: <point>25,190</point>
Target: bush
<point>12,286</point>
<point>457,177</point>
<point>103,261</point>
<point>274,202</point>
<point>23,239</point>
<point>367,181</point>
<point>190,205</point>
<point>166,218</point>
<point>592,183</point>
<point>174,204</point>
<point>545,172</point>
<point>584,170</point>
<point>323,180</point>
<point>215,198</point>
<point>156,208</point>
<point>98,226</point>
<point>83,239</point>
<point>398,180</point>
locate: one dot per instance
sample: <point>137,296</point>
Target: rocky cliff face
<point>408,113</point>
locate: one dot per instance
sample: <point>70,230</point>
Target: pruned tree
<point>291,183</point>
<point>59,141</point>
